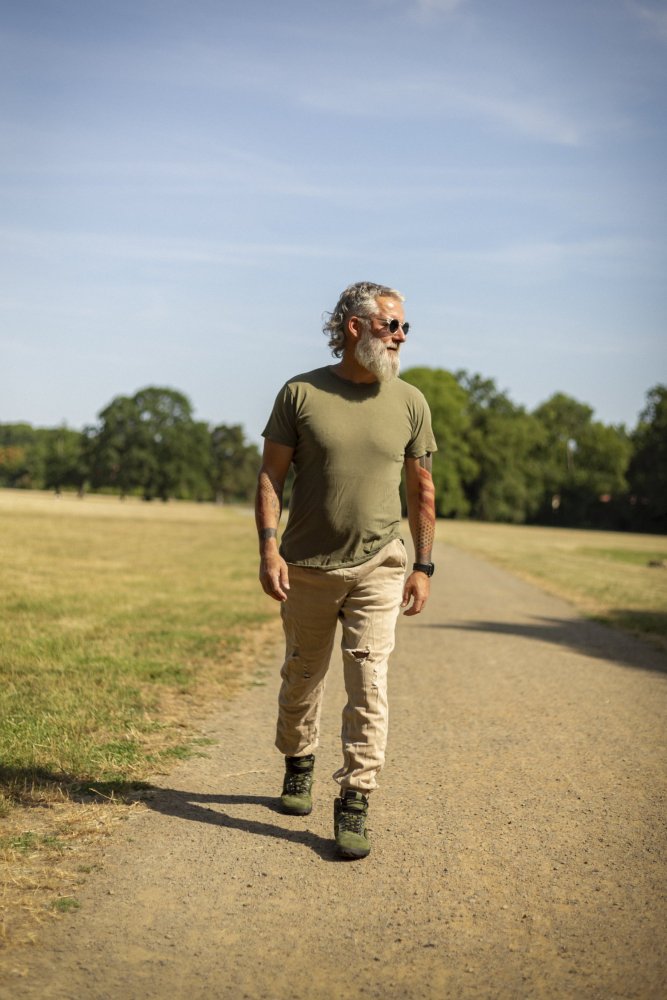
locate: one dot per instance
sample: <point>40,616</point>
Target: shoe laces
<point>352,821</point>
<point>297,784</point>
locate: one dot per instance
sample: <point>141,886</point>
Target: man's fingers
<point>275,587</point>
<point>274,578</point>
<point>416,608</point>
<point>414,591</point>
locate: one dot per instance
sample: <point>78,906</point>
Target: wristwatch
<point>428,568</point>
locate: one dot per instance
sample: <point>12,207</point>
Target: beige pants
<point>366,600</point>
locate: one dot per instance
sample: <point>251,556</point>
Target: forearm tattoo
<point>268,506</point>
<point>426,518</point>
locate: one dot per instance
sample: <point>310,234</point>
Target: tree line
<point>146,445</point>
<point>496,461</point>
<point>555,465</point>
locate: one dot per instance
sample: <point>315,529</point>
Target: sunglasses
<point>392,325</point>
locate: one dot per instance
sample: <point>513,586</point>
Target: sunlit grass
<point>108,606</point>
<point>616,578</point>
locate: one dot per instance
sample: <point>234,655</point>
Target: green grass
<point>29,841</point>
<point>65,904</point>
<point>114,615</point>
<point>607,575</point>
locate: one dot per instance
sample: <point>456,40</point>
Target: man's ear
<point>353,328</point>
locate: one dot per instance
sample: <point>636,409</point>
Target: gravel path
<point>518,837</point>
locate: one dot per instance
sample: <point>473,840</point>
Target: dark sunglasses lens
<point>393,326</point>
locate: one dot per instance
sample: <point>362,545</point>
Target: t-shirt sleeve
<point>422,440</point>
<point>281,426</point>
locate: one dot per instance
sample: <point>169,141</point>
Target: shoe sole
<point>352,855</point>
<point>295,812</point>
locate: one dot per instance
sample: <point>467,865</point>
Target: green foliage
<point>584,463</point>
<point>453,464</point>
<point>64,459</point>
<point>148,445</point>
<point>504,441</point>
<point>557,465</point>
<point>150,442</point>
<point>648,467</point>
<point>233,464</point>
<point>21,456</point>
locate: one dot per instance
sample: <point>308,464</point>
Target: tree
<point>504,441</point>
<point>21,463</point>
<point>647,474</point>
<point>584,462</point>
<point>453,463</point>
<point>234,464</point>
<point>64,459</point>
<point>150,443</point>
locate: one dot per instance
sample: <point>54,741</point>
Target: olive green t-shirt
<point>350,441</point>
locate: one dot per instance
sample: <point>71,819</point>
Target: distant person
<point>348,429</point>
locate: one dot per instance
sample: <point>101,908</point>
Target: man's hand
<point>417,589</point>
<point>273,575</point>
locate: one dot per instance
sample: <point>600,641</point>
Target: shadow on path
<point>586,637</point>
<point>197,807</point>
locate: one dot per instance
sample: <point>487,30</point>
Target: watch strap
<point>428,568</point>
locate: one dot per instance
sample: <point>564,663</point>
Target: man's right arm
<point>273,574</point>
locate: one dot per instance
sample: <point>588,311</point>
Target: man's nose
<point>399,335</point>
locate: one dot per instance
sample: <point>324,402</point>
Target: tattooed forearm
<point>425,519</point>
<point>268,506</point>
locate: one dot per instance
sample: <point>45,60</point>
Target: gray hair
<point>357,300</point>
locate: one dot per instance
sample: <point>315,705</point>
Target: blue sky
<point>186,185</point>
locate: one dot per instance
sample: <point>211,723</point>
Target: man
<point>348,429</point>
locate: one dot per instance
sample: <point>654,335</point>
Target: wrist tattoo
<point>266,533</point>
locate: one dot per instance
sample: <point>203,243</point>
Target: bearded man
<point>348,429</point>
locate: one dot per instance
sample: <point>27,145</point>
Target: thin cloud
<point>550,257</point>
<point>423,7</point>
<point>46,243</point>
<point>437,96</point>
<point>656,19</point>
<point>438,6</point>
<point>526,117</point>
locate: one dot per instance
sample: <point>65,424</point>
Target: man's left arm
<point>420,497</point>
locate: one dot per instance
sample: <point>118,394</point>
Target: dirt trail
<point>518,837</point>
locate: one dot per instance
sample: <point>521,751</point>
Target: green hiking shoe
<point>296,798</point>
<point>350,812</point>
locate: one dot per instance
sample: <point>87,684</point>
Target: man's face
<point>377,349</point>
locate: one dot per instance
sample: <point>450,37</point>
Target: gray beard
<point>373,355</point>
